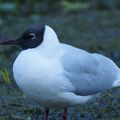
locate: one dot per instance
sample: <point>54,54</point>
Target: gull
<point>54,74</point>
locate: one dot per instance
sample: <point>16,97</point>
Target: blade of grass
<point>5,75</point>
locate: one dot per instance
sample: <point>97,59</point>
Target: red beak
<point>9,42</point>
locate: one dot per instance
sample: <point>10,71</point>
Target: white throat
<point>50,45</point>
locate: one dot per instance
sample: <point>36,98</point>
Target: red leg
<point>65,114</point>
<point>46,113</point>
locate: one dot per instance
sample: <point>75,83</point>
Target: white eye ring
<point>32,35</point>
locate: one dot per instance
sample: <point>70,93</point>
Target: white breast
<point>39,77</point>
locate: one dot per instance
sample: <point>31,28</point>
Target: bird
<point>54,74</point>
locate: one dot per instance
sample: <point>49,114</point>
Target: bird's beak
<point>9,42</point>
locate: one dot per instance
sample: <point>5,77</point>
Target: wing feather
<point>88,73</point>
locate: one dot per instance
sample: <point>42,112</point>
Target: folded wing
<point>88,73</point>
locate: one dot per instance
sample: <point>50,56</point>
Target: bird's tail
<point>117,82</point>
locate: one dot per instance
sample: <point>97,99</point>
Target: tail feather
<point>116,83</point>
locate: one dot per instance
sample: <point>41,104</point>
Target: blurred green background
<point>93,25</point>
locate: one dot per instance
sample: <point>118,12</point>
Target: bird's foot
<point>46,113</point>
<point>65,114</point>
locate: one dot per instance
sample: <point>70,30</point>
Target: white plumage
<point>59,75</point>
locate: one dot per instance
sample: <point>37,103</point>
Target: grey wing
<point>88,73</point>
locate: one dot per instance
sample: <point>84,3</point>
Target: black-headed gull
<point>58,75</point>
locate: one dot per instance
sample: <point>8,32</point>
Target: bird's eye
<point>32,36</point>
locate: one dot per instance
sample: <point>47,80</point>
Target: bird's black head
<point>31,38</point>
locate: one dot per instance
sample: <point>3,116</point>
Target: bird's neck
<point>50,46</point>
